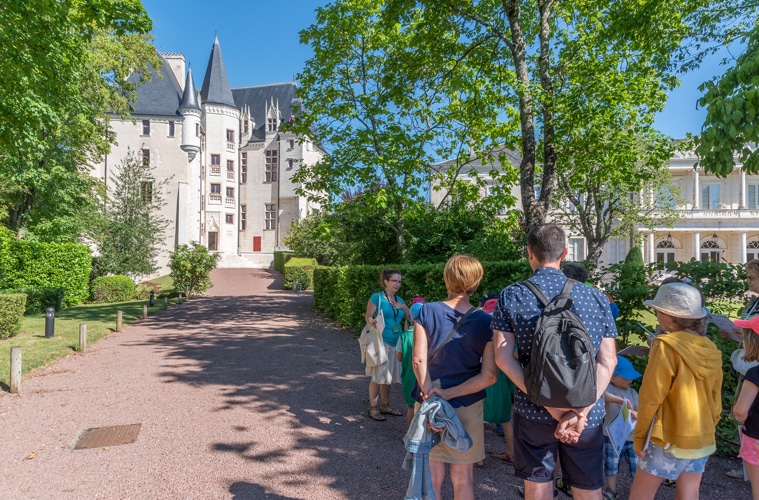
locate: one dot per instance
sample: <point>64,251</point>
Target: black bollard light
<point>152,298</point>
<point>49,322</point>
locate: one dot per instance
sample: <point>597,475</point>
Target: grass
<point>37,351</point>
<point>165,286</point>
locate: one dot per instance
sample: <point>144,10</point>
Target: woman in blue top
<point>394,311</point>
<point>459,372</point>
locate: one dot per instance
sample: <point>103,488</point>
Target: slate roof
<point>190,96</point>
<point>477,164</point>
<point>216,89</point>
<point>159,96</point>
<point>258,97</point>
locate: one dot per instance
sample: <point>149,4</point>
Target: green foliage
<point>12,307</point>
<point>280,259</point>
<point>131,231</point>
<point>109,289</point>
<point>299,270</point>
<point>48,265</point>
<point>39,299</point>
<point>629,287</point>
<point>315,236</point>
<point>53,103</point>
<point>191,267</point>
<point>142,292</point>
<point>341,293</point>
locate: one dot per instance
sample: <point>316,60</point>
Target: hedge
<point>29,265</point>
<point>39,299</point>
<point>12,307</point>
<point>299,270</point>
<point>341,293</point>
<point>280,259</point>
<point>109,289</point>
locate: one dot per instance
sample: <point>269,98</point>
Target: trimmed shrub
<point>39,299</point>
<point>280,259</point>
<point>108,289</point>
<point>143,290</point>
<point>12,307</point>
<point>191,267</point>
<point>299,270</point>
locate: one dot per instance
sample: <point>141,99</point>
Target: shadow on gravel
<point>272,355</point>
<point>248,491</point>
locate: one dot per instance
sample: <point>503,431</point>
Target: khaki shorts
<point>471,418</point>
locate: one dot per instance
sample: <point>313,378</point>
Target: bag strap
<point>450,335</point>
<point>564,294</point>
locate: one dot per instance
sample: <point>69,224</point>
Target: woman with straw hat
<point>680,397</point>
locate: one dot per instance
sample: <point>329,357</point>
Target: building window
<point>271,124</point>
<point>145,127</point>
<point>230,192</point>
<point>197,130</point>
<point>171,128</point>
<point>271,165</point>
<point>710,251</point>
<point>230,166</point>
<point>145,157</point>
<point>215,188</point>
<point>289,164</point>
<point>576,249</point>
<point>245,125</point>
<point>665,252</point>
<point>710,196</point>
<point>213,241</point>
<point>292,143</point>
<point>243,216</point>
<point>271,216</point>
<point>146,191</point>
<point>230,135</point>
<point>243,167</point>
<point>230,218</point>
<point>215,159</point>
<point>753,196</point>
<point>752,250</point>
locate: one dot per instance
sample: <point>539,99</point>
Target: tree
<point>65,64</point>
<point>191,266</point>
<point>132,231</point>
<point>384,110</point>
<point>557,64</point>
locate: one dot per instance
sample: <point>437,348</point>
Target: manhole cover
<point>115,435</point>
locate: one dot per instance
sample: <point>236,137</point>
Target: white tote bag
<point>373,351</point>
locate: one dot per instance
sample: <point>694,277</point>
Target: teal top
<point>393,317</point>
<point>405,347</point>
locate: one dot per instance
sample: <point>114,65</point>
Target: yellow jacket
<point>682,388</point>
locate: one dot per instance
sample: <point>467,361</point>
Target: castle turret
<point>190,111</point>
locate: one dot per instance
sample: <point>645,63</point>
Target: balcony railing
<point>231,147</point>
<point>230,202</point>
<point>215,170</point>
<point>230,176</point>
<point>699,213</point>
<point>214,198</point>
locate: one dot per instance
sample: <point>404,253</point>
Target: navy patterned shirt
<point>518,311</point>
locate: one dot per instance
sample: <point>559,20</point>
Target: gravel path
<point>246,393</point>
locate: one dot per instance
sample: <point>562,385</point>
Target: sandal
<point>563,487</point>
<point>375,414</point>
<point>504,457</point>
<point>610,494</point>
<point>390,411</point>
<point>479,464</point>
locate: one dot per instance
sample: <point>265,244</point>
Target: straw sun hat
<point>679,300</point>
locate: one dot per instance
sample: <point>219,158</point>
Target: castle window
<point>230,166</point>
<point>270,216</point>
<point>243,216</point>
<point>272,159</point>
<point>213,241</point>
<point>271,124</point>
<point>243,167</point>
<point>145,157</point>
<point>753,196</point>
<point>171,128</point>
<point>230,192</point>
<point>146,192</point>
<point>197,130</point>
<point>230,218</point>
<point>230,135</point>
<point>215,159</point>
<point>145,127</point>
<point>245,125</point>
<point>292,143</point>
<point>215,188</point>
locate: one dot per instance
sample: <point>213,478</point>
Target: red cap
<point>751,323</point>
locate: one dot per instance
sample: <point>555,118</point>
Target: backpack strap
<point>536,291</point>
<point>564,294</point>
<point>450,335</point>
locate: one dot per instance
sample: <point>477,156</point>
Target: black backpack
<point>562,368</point>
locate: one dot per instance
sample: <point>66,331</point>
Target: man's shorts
<point>661,463</point>
<point>536,449</point>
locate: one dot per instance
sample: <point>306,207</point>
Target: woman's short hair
<point>752,265</point>
<point>462,274</point>
<point>751,345</point>
<point>386,274</point>
<point>547,242</point>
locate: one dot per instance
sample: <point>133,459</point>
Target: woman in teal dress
<point>394,312</point>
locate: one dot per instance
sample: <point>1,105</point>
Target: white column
<point>697,246</point>
<point>696,190</point>
<point>651,249</point>
<point>742,196</point>
<point>742,243</point>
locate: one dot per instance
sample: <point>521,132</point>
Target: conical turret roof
<point>216,89</point>
<point>190,96</point>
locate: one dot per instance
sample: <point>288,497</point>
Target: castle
<point>227,162</point>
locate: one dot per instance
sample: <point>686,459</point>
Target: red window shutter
<point>256,243</point>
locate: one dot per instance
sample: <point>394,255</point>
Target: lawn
<point>36,350</point>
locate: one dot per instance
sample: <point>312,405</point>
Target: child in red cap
<point>746,408</point>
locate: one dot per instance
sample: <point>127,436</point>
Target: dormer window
<point>271,124</point>
<point>245,126</point>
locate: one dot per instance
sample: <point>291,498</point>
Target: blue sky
<point>259,41</point>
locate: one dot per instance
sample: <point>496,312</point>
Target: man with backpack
<point>554,338</point>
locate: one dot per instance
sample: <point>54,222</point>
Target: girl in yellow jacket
<point>680,397</point>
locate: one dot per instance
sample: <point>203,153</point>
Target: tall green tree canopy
<point>65,64</point>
